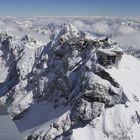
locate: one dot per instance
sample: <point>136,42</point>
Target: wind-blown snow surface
<point>54,86</point>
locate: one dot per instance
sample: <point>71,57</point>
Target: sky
<point>70,8</point>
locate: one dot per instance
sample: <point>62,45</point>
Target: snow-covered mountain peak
<point>5,36</point>
<point>67,31</point>
<point>24,25</point>
<point>70,28</point>
<point>30,41</point>
<point>79,85</point>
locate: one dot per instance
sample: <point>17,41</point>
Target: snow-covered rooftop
<point>107,52</point>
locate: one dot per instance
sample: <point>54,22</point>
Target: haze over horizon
<point>70,8</point>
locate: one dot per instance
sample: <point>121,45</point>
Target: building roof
<point>107,52</point>
<point>117,49</point>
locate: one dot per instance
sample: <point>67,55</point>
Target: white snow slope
<point>121,121</point>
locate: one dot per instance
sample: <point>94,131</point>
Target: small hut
<point>109,56</point>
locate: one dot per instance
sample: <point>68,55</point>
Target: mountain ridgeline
<point>56,90</point>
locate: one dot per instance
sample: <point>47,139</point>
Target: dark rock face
<point>9,59</point>
<point>85,85</point>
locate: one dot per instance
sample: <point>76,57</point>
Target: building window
<point>111,58</point>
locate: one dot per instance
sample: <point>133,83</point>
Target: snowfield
<point>127,74</point>
<point>60,79</point>
<point>121,121</point>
